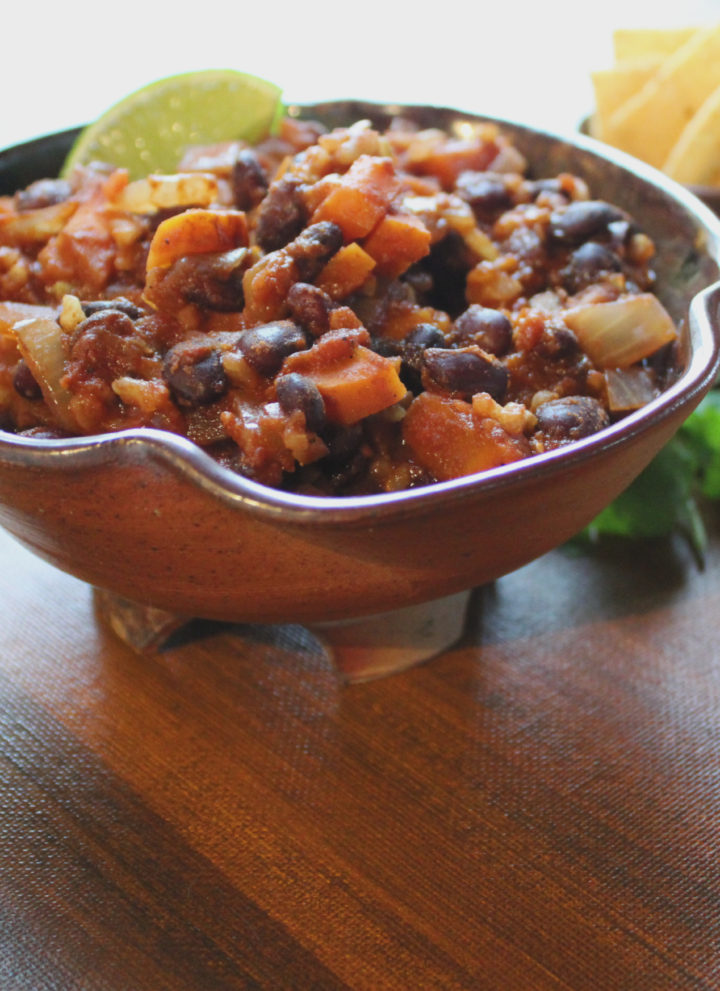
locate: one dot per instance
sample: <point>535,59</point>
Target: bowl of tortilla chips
<point>660,102</point>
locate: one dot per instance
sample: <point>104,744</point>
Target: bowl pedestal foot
<point>359,649</point>
<point>143,628</point>
<point>385,643</point>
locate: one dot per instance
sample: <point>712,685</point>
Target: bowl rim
<point>190,460</point>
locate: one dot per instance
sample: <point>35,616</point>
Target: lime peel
<point>149,130</point>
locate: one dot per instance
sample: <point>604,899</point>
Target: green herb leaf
<point>701,433</point>
<point>667,496</point>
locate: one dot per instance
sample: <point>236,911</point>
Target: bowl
<point>147,516</point>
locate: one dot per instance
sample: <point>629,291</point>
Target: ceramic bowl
<point>148,516</point>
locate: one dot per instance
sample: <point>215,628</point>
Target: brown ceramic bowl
<point>149,516</point>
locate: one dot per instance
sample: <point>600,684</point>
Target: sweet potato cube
<point>358,202</point>
<point>354,384</point>
<point>357,388</point>
<point>196,232</point>
<point>458,155</point>
<point>266,285</point>
<point>346,271</point>
<point>449,440</point>
<point>397,242</point>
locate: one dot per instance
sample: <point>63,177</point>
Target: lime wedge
<point>149,130</point>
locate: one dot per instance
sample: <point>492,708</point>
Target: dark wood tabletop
<point>538,808</point>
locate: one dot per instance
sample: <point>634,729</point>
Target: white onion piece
<point>40,343</point>
<point>36,226</point>
<point>162,192</point>
<point>629,388</point>
<point>12,313</point>
<point>621,332</point>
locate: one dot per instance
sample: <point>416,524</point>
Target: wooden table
<point>537,809</point>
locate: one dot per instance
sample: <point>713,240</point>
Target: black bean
<point>412,347</point>
<point>281,215</point>
<point>388,347</point>
<point>487,328</point>
<point>24,381</point>
<point>411,351</point>
<point>586,264</point>
<point>105,346</point>
<point>537,186</point>
<point>298,392</point>
<point>120,303</point>
<point>562,421</point>
<point>314,247</point>
<point>265,347</point>
<point>425,335</point>
<point>44,192</point>
<point>557,342</point>
<point>347,456</point>
<point>420,338</point>
<point>465,372</point>
<point>582,220</point>
<point>110,319</point>
<point>213,281</point>
<point>310,307</point>
<point>487,194</point>
<point>194,374</point>
<point>249,182</point>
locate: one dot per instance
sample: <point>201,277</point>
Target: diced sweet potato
<point>196,232</point>
<point>354,381</point>
<point>346,271</point>
<point>266,286</point>
<point>458,155</point>
<point>360,199</point>
<point>83,251</point>
<point>449,440</point>
<point>343,318</point>
<point>397,242</point>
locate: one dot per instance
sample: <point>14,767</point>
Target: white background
<point>62,64</point>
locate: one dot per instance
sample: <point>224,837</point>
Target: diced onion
<point>629,388</point>
<point>12,313</point>
<point>36,226</point>
<point>621,332</point>
<point>162,192</point>
<point>40,343</point>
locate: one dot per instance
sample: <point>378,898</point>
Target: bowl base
<point>359,649</point>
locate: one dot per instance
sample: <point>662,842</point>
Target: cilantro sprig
<point>667,496</point>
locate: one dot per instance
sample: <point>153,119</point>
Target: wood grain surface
<point>536,809</point>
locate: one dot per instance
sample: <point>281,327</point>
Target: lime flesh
<point>149,130</point>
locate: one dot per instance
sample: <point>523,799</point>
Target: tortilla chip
<point>632,43</point>
<point>614,86</point>
<point>695,156</point>
<point>648,123</point>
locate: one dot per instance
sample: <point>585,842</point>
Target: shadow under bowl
<point>149,516</point>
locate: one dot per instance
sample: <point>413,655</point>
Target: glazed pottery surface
<point>149,516</point>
